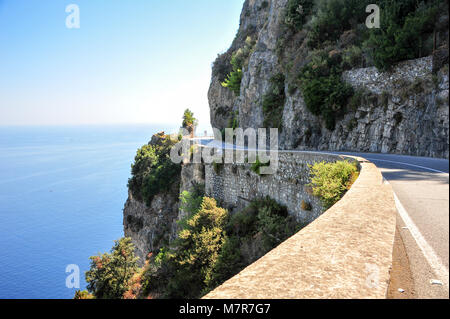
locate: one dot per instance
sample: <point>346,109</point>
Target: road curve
<point>421,186</point>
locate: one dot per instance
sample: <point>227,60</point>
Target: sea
<point>62,192</point>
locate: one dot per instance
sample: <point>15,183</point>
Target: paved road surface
<point>422,189</point>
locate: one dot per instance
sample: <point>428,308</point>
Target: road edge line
<point>407,164</point>
<point>432,258</point>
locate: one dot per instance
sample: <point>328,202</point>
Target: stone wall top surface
<point>345,253</point>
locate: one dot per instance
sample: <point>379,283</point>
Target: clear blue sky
<point>131,61</point>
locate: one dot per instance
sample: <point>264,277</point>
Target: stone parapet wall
<point>236,185</point>
<point>345,253</point>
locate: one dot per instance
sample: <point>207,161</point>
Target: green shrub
<point>198,248</point>
<point>190,202</point>
<point>239,60</point>
<point>330,181</point>
<point>83,295</point>
<point>274,228</point>
<point>406,26</point>
<point>257,165</point>
<point>333,17</point>
<point>153,171</point>
<point>189,121</point>
<point>327,97</point>
<point>233,81</point>
<point>353,58</point>
<point>229,263</point>
<point>218,167</point>
<point>109,273</point>
<point>324,92</point>
<point>297,12</point>
<point>208,249</point>
<point>273,102</point>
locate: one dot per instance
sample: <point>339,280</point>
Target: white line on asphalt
<point>407,164</point>
<point>432,258</point>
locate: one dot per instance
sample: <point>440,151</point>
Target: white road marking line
<point>407,164</point>
<point>432,258</point>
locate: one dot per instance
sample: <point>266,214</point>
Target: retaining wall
<point>235,185</point>
<point>345,253</point>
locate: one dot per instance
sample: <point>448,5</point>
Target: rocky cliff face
<point>404,111</point>
<point>150,227</point>
<point>154,225</point>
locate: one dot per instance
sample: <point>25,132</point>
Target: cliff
<point>403,110</point>
<point>272,67</point>
<point>152,224</point>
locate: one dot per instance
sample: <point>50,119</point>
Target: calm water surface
<point>62,191</point>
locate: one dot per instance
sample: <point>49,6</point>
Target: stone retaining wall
<point>345,253</point>
<point>234,186</point>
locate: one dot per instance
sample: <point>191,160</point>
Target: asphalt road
<point>421,186</point>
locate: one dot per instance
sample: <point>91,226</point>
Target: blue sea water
<point>62,191</point>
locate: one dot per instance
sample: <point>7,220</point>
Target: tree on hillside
<point>189,121</point>
<point>110,273</point>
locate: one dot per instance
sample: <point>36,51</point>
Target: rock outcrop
<point>404,111</point>
<point>153,225</point>
<point>150,227</point>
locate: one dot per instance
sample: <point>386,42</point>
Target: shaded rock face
<point>223,102</point>
<point>151,227</point>
<point>155,226</point>
<point>404,111</point>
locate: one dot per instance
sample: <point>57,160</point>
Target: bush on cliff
<point>153,171</point>
<point>324,92</point>
<point>197,248</point>
<point>210,246</point>
<point>296,13</point>
<point>189,121</point>
<point>327,97</point>
<point>256,166</point>
<point>273,102</point>
<point>239,60</point>
<point>262,225</point>
<point>109,274</point>
<point>330,181</point>
<point>333,17</point>
<point>406,28</point>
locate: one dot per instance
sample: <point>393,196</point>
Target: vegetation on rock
<point>330,181</point>
<point>324,92</point>
<point>239,60</point>
<point>109,274</point>
<point>189,121</point>
<point>153,171</point>
<point>337,40</point>
<point>273,102</point>
<point>212,246</point>
<point>297,12</point>
<point>257,165</point>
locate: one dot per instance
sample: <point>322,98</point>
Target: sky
<point>131,61</point>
